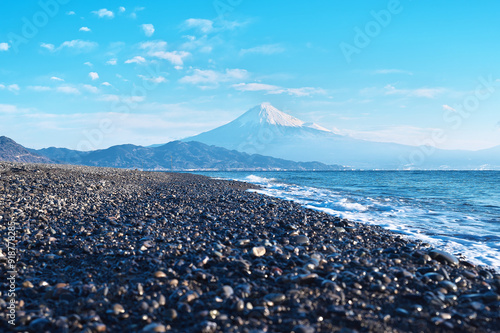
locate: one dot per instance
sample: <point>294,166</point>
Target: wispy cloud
<point>448,108</point>
<point>8,108</point>
<point>148,29</point>
<point>104,13</point>
<point>276,90</point>
<point>136,60</point>
<point>93,76</point>
<point>77,45</point>
<point>91,88</point>
<point>124,99</point>
<point>70,13</point>
<point>153,46</point>
<point>157,49</point>
<point>255,87</point>
<point>13,88</point>
<point>48,46</point>
<point>55,78</point>
<point>266,49</point>
<point>88,63</point>
<point>419,92</point>
<point>203,25</point>
<point>392,71</point>
<point>211,78</point>
<point>68,90</point>
<point>112,62</point>
<point>86,29</point>
<point>175,57</point>
<point>121,9</point>
<point>158,79</point>
<point>39,88</point>
<point>408,135</point>
<point>4,46</point>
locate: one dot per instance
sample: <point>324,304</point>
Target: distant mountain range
<point>175,156</point>
<point>268,131</point>
<point>248,142</point>
<point>14,152</point>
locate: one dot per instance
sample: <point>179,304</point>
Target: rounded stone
<point>444,257</point>
<point>258,251</point>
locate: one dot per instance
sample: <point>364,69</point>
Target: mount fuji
<point>268,131</point>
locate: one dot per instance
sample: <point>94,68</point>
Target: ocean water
<point>457,211</point>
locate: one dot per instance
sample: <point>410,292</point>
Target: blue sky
<point>91,74</point>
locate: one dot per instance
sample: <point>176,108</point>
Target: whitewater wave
<point>415,219</point>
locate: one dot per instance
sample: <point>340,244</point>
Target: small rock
<point>303,329</point>
<point>118,309</point>
<point>171,314</point>
<point>299,240</point>
<point>258,251</point>
<point>154,328</point>
<point>444,257</point>
<point>159,275</point>
<point>275,297</point>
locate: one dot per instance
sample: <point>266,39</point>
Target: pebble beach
<point>112,250</point>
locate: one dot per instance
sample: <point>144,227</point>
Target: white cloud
<point>4,46</point>
<point>39,88</point>
<point>158,48</point>
<point>8,108</point>
<point>111,62</point>
<point>175,57</point>
<point>78,44</point>
<point>88,63</point>
<point>55,78</point>
<point>212,77</point>
<point>109,98</point>
<point>148,29</point>
<point>94,75</point>
<point>91,89</point>
<point>124,99</point>
<point>104,13</point>
<point>107,84</point>
<point>203,25</point>
<point>136,60</point>
<point>420,92</point>
<point>13,87</point>
<point>264,49</point>
<point>47,46</point>
<point>86,29</point>
<point>121,9</point>
<point>70,13</point>
<point>408,135</point>
<point>255,87</point>
<point>2,86</point>
<point>159,79</point>
<point>448,108</point>
<point>153,46</point>
<point>391,71</point>
<point>276,90</point>
<point>68,90</point>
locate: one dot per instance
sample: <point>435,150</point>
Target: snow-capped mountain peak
<point>265,113</point>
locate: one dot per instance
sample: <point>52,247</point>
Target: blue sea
<point>457,211</point>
